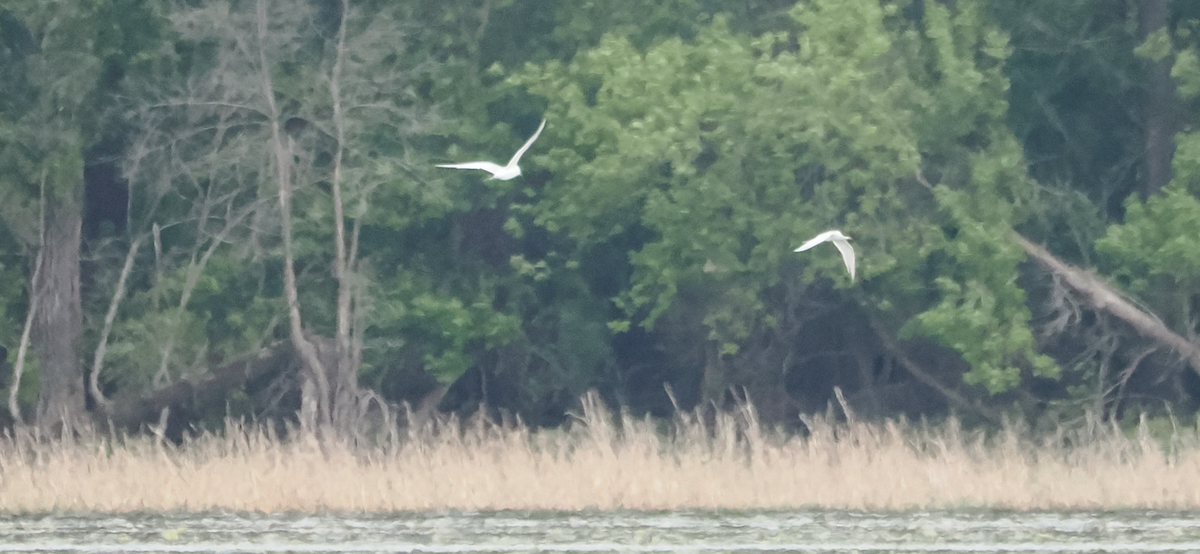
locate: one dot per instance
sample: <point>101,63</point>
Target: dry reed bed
<point>607,462</point>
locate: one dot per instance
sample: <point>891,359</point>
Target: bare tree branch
<point>19,368</point>
<point>109,318</point>
<point>955,399</point>
<point>283,180</point>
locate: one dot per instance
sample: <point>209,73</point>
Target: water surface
<point>701,532</point>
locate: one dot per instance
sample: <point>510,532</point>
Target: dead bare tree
<point>186,154</point>
<point>345,382</point>
<point>365,86</point>
<point>355,85</point>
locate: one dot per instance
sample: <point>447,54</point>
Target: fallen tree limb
<point>1104,298</point>
<point>132,412</point>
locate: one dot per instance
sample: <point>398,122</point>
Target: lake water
<point>701,532</point>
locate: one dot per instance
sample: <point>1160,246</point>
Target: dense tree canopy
<point>242,197</point>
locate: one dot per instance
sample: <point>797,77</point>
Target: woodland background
<point>230,208</point>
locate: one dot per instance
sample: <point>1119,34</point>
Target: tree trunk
<point>315,409</point>
<point>345,371</point>
<point>58,321</point>
<point>1161,108</point>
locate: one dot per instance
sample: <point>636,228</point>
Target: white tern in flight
<point>507,172</point>
<point>840,241</point>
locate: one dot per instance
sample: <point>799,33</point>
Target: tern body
<point>503,173</point>
<point>842,242</point>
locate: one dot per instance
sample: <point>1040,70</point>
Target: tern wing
<point>517,157</point>
<point>815,241</point>
<point>485,166</point>
<point>847,251</point>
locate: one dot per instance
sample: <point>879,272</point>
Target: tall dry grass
<point>608,462</point>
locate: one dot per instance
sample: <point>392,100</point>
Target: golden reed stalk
<point>608,462</point>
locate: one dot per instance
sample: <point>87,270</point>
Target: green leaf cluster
<point>729,148</point>
<point>691,145</point>
<point>1155,252</point>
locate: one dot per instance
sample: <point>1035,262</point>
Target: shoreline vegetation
<point>610,461</point>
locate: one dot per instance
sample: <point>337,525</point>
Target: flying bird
<point>507,172</point>
<point>840,241</point>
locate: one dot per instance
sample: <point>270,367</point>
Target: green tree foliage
<point>690,146</point>
<point>729,149</point>
<point>1155,252</point>
<point>1075,82</point>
